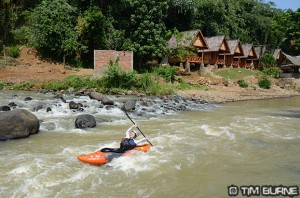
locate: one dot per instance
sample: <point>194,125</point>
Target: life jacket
<point>125,144</point>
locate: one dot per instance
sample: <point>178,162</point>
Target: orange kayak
<point>100,157</point>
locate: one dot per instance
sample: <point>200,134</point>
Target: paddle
<point>136,126</point>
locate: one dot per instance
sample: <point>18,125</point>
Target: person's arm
<point>128,131</point>
<point>141,140</point>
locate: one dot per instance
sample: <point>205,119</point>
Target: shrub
<point>264,83</point>
<point>14,52</point>
<point>268,60</point>
<point>23,85</point>
<point>114,77</point>
<point>167,72</point>
<point>76,82</point>
<point>145,81</point>
<point>1,85</point>
<point>272,71</point>
<point>242,83</point>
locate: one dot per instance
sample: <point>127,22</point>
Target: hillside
<point>29,67</point>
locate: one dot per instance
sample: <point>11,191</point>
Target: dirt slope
<point>28,67</point>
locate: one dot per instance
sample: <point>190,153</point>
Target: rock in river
<point>18,123</point>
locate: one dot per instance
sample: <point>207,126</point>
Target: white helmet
<point>137,133</point>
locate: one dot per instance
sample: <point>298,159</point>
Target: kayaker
<point>129,142</point>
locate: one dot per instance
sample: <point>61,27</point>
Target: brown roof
<point>187,39</point>
<point>235,47</point>
<point>277,53</point>
<point>249,51</point>
<point>294,60</point>
<point>260,50</point>
<point>216,44</point>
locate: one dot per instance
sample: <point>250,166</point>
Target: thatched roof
<point>249,51</point>
<point>277,54</point>
<point>291,60</point>
<point>235,47</point>
<point>187,39</point>
<point>216,44</point>
<point>260,50</point>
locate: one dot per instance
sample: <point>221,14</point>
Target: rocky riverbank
<point>221,94</point>
<point>231,95</point>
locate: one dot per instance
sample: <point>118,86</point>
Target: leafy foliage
<point>242,83</point>
<point>73,28</point>
<point>264,83</point>
<point>269,67</point>
<point>272,71</point>
<point>168,73</point>
<point>75,82</point>
<point>267,60</point>
<point>146,29</point>
<point>14,51</point>
<point>114,77</point>
<point>53,23</point>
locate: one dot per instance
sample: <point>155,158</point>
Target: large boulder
<point>98,96</point>
<point>129,105</point>
<point>18,123</point>
<point>4,108</point>
<point>85,121</point>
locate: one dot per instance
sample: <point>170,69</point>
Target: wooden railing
<point>194,59</point>
<point>235,63</point>
<point>220,62</point>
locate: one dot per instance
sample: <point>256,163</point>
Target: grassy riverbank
<point>220,85</point>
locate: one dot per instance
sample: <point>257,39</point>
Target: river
<point>196,153</point>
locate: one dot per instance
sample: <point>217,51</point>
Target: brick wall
<point>103,57</point>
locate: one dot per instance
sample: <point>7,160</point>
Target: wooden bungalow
<point>290,64</point>
<point>192,41</point>
<point>247,60</point>
<point>279,57</point>
<point>236,49</point>
<point>259,50</point>
<point>215,54</point>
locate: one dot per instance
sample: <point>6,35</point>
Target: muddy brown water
<point>195,154</point>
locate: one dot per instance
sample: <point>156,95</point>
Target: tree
<point>146,29</point>
<point>180,14</point>
<point>52,29</point>
<point>12,16</point>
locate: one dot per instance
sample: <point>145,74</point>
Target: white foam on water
<point>20,170</point>
<point>80,176</point>
<point>135,162</point>
<point>218,131</point>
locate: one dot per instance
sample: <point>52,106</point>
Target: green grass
<point>236,73</point>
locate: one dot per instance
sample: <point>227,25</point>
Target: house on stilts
<point>236,50</point>
<point>187,47</point>
<point>247,60</point>
<point>216,52</point>
<point>290,65</point>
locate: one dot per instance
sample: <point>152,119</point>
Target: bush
<point>242,83</point>
<point>145,81</point>
<point>167,72</point>
<point>76,82</point>
<point>1,85</point>
<point>264,83</point>
<point>114,77</point>
<point>14,52</point>
<point>23,85</point>
<point>272,71</point>
<point>268,60</point>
